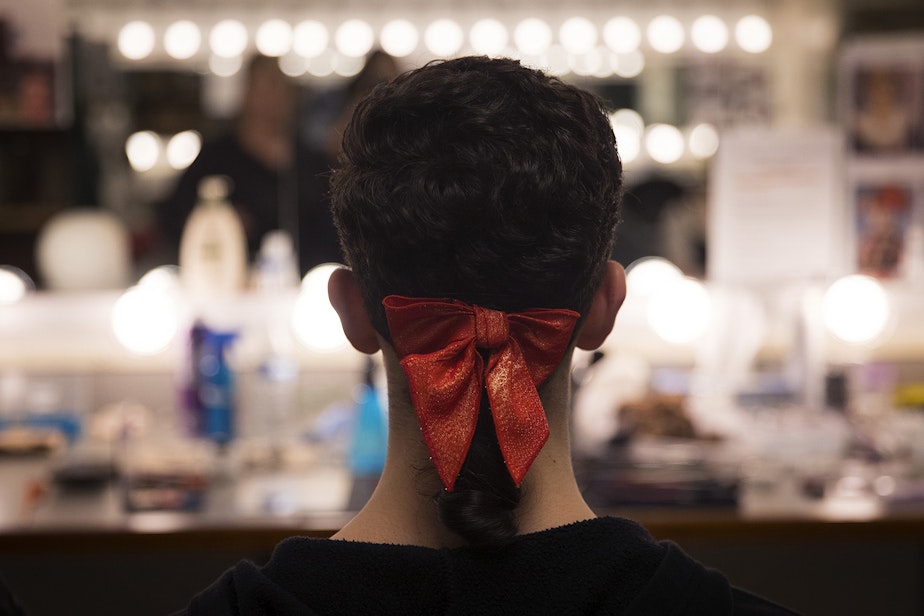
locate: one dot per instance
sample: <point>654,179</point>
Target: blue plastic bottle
<point>370,435</point>
<point>212,399</point>
<point>369,443</point>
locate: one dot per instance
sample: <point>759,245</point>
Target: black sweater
<point>602,566</point>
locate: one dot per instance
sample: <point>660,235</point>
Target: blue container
<point>209,400</point>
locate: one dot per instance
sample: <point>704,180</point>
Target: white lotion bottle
<point>213,249</point>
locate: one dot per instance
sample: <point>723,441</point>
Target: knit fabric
<point>601,566</point>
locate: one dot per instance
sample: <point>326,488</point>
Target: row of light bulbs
<point>445,37</point>
<point>856,308</point>
<point>666,144</point>
<point>145,319</point>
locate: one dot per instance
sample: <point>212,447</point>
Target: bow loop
<point>438,343</point>
<point>491,329</point>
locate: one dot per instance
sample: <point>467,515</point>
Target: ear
<point>607,300</point>
<point>343,291</point>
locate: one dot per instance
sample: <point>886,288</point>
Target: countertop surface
<point>255,510</point>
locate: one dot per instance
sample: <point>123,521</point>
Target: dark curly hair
<point>485,181</point>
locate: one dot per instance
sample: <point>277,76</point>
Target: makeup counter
<point>795,465</point>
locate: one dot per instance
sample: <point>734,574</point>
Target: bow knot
<point>440,344</point>
<point>491,328</point>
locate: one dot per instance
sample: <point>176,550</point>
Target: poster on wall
<point>881,105</point>
<point>776,206</point>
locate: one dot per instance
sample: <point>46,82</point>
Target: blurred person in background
<point>276,181</point>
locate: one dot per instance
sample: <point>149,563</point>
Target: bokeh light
<point>145,319</point>
<point>578,35</point>
<point>704,141</point>
<point>14,284</point>
<point>354,37</point>
<point>143,150</point>
<point>665,34</point>
<point>444,37</point>
<point>314,321</point>
<point>274,38</point>
<point>753,34</point>
<point>489,37</point>
<point>399,37</point>
<point>310,38</point>
<point>709,34</point>
<point>225,67</point>
<point>183,148</point>
<point>622,35</point>
<point>856,309</point>
<point>136,40</point>
<point>182,40</point>
<point>228,38</point>
<point>532,36</point>
<point>646,275</point>
<point>664,143</point>
<point>679,311</point>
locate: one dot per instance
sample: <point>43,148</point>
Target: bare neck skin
<point>402,511</point>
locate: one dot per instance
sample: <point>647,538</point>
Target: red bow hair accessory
<point>439,341</point>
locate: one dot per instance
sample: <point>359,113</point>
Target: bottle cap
<point>214,187</point>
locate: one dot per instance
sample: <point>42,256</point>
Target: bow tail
<point>446,399</point>
<point>519,418</point>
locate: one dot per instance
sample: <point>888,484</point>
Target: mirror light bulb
<point>628,126</point>
<point>310,38</point>
<point>444,37</point>
<point>709,34</point>
<point>589,63</point>
<point>664,143</point>
<point>136,40</point>
<point>629,65</point>
<point>322,65</point>
<point>557,61</point>
<point>753,34</point>
<point>144,319</point>
<point>704,141</point>
<point>274,38</point>
<point>622,35</point>
<point>488,37</point>
<point>14,284</point>
<point>665,34</point>
<point>629,142</point>
<point>292,65</point>
<point>399,37</point>
<point>182,40</point>
<point>648,274</point>
<point>578,35</point>
<point>532,36</point>
<point>628,118</point>
<point>163,278</point>
<point>354,38</point>
<point>225,67</point>
<point>347,66</point>
<point>228,39</point>
<point>314,321</point>
<point>679,311</point>
<point>183,148</point>
<point>856,309</point>
<point>143,150</point>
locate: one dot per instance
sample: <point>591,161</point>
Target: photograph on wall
<point>883,212</point>
<point>886,118</point>
<point>28,96</point>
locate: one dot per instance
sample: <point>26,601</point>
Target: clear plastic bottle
<point>277,264</point>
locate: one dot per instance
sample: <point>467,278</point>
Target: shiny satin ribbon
<point>439,343</point>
